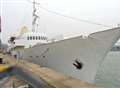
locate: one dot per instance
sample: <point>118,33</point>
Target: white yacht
<point>78,57</point>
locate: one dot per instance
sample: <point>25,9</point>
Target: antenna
<point>35,17</point>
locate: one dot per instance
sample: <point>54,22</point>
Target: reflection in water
<point>108,75</point>
<point>116,48</point>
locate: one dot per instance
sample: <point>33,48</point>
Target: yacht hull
<point>66,56</point>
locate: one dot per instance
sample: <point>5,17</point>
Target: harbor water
<point>108,75</point>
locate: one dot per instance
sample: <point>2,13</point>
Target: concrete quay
<point>42,76</point>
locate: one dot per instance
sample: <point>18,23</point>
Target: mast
<point>0,31</point>
<point>35,17</point>
<point>0,24</point>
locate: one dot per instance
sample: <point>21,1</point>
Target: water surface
<point>108,75</point>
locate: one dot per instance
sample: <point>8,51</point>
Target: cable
<point>73,18</point>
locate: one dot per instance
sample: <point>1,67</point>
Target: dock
<point>42,77</point>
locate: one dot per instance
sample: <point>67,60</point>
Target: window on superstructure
<point>39,37</point>
<point>33,37</point>
<point>30,37</point>
<point>36,37</point>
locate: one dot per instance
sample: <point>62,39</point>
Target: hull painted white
<point>61,55</point>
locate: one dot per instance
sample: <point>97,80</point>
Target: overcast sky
<point>17,13</point>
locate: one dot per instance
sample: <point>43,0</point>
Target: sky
<point>18,13</point>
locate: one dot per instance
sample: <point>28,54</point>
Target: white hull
<point>61,55</point>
